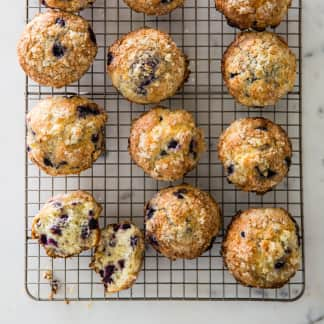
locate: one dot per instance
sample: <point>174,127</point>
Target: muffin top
<point>57,48</point>
<point>68,224</point>
<point>118,256</point>
<point>68,5</point>
<point>261,247</point>
<point>154,7</point>
<point>259,68</point>
<point>65,134</point>
<point>256,14</point>
<point>146,66</point>
<point>182,222</point>
<point>256,154</point>
<point>166,143</point>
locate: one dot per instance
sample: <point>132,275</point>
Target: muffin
<point>68,5</point>
<point>68,224</point>
<point>154,7</point>
<point>146,66</point>
<point>261,247</point>
<point>57,48</point>
<point>166,143</point>
<point>259,68</point>
<point>182,222</point>
<point>65,135</point>
<point>118,256</point>
<point>254,14</point>
<point>256,154</point>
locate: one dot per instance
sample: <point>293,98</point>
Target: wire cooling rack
<point>122,188</point>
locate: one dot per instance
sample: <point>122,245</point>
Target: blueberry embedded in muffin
<point>256,154</point>
<point>259,69</point>
<point>166,143</point>
<point>154,7</point>
<point>261,247</point>
<point>68,224</point>
<point>119,255</point>
<point>57,48</point>
<point>253,14</point>
<point>65,134</point>
<point>68,5</point>
<point>182,222</point>
<point>146,66</point>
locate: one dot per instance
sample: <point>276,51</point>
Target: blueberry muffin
<point>166,143</point>
<point>65,135</point>
<point>256,154</point>
<point>68,5</point>
<point>261,247</point>
<point>182,222</point>
<point>118,256</point>
<point>154,7</point>
<point>68,224</point>
<point>259,68</point>
<point>57,48</point>
<point>146,66</point>
<point>256,14</point>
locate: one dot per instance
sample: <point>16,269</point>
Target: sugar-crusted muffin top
<point>259,68</point>
<point>65,134</point>
<point>146,66</point>
<point>154,7</point>
<point>261,248</point>
<point>57,48</point>
<point>68,5</point>
<point>256,154</point>
<point>257,14</point>
<point>182,221</point>
<point>166,143</point>
<point>67,224</point>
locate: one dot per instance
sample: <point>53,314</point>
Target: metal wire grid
<point>122,188</point>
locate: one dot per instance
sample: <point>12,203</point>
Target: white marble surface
<point>16,307</point>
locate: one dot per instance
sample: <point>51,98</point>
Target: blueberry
<point>180,193</point>
<point>52,242</point>
<point>55,229</point>
<point>110,58</point>
<point>160,118</point>
<point>233,75</point>
<point>93,224</point>
<point>85,232</point>
<point>288,161</point>
<point>116,227</point>
<point>64,217</point>
<point>48,162</point>
<point>58,50</point>
<point>133,241</point>
<point>121,264</point>
<point>193,148</point>
<point>150,212</point>
<point>243,234</point>
<point>163,153</point>
<point>152,239</point>
<point>173,144</point>
<point>101,272</point>
<point>266,174</point>
<point>109,271</point>
<point>91,213</point>
<point>60,21</point>
<point>125,226</point>
<point>94,138</point>
<point>262,128</point>
<point>92,35</point>
<point>230,169</point>
<point>279,264</point>
<point>84,111</point>
<point>43,239</point>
